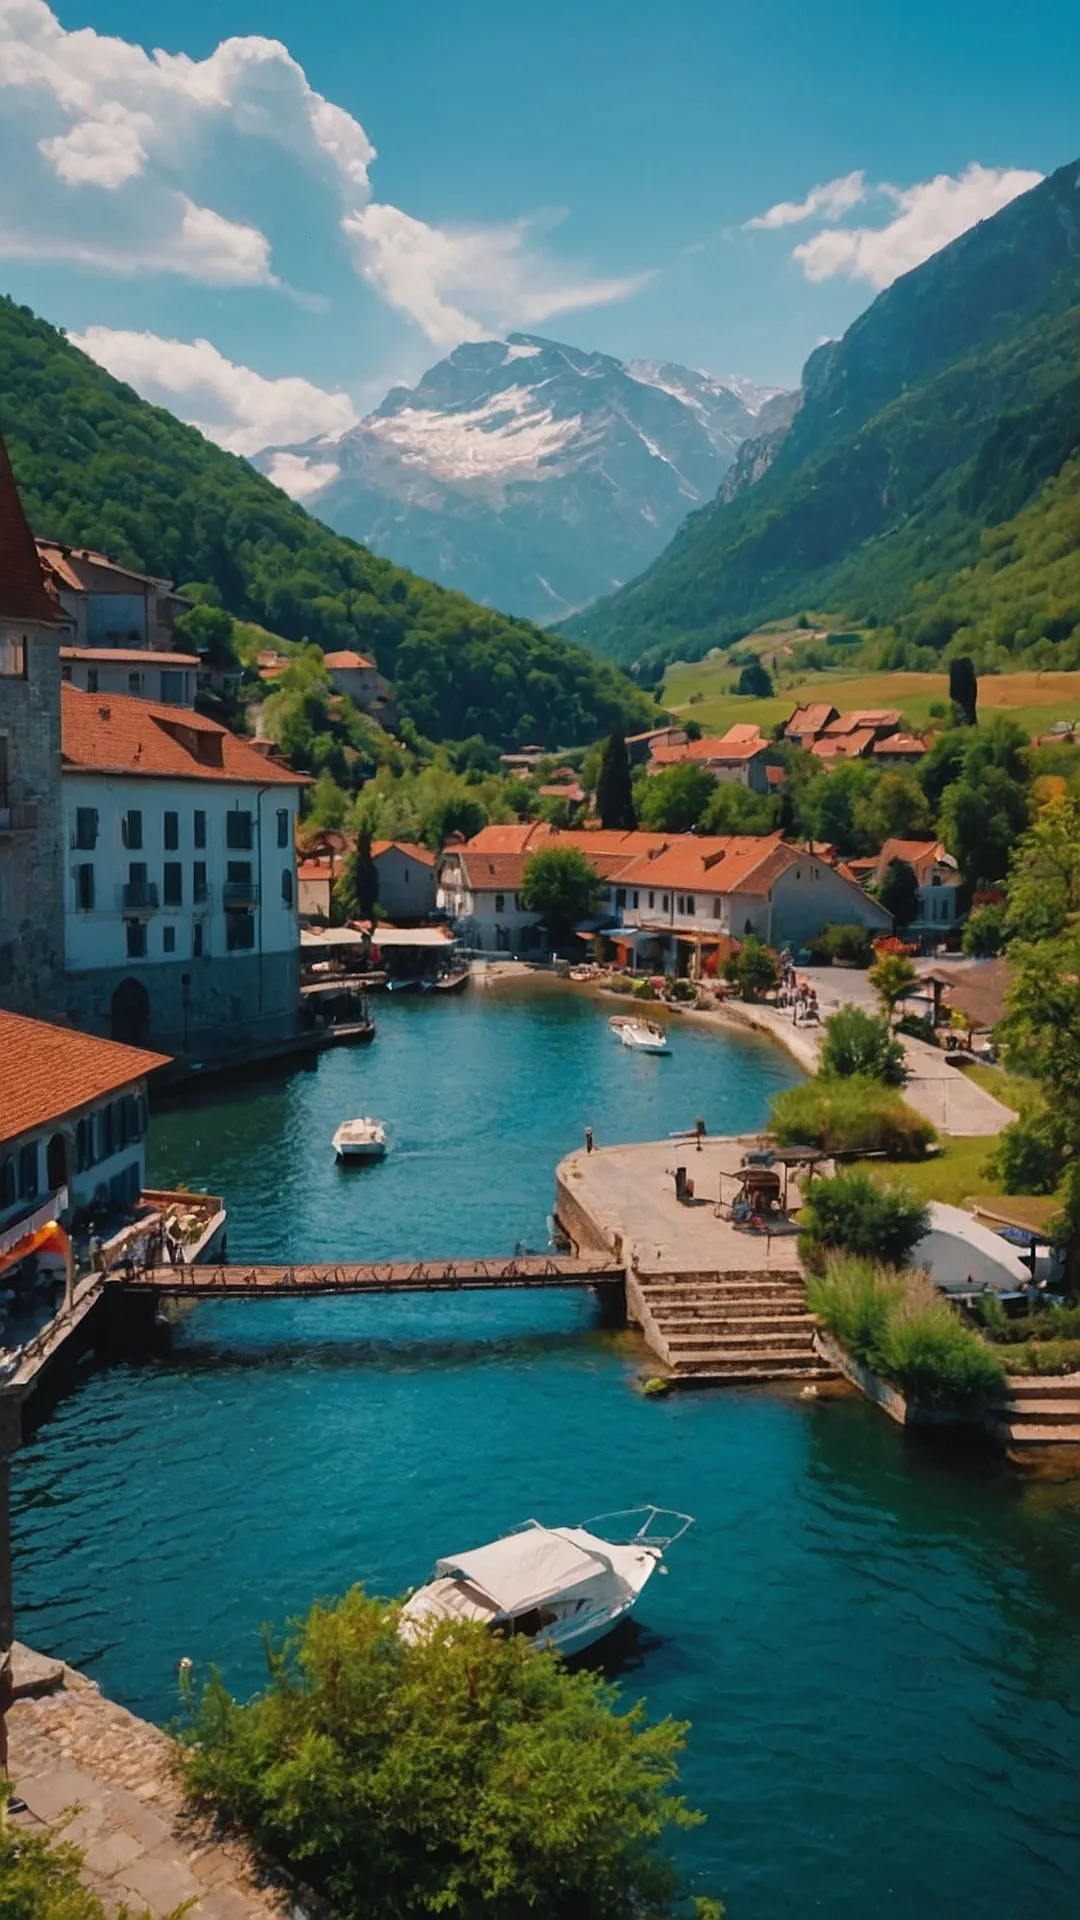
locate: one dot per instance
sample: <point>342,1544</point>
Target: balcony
<point>240,893</point>
<point>22,819</point>
<point>139,896</point>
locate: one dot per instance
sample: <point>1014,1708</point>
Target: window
<point>652,900</point>
<point>199,828</point>
<point>283,827</point>
<point>172,687</point>
<point>197,939</point>
<point>172,832</point>
<point>135,681</point>
<point>13,655</point>
<point>86,828</point>
<point>84,887</point>
<point>239,932</point>
<point>91,679</point>
<point>7,1182</point>
<point>287,886</point>
<point>238,830</point>
<point>198,883</point>
<point>173,884</point>
<point>500,902</point>
<point>136,939</point>
<point>935,879</point>
<point>168,939</point>
<point>716,909</point>
<point>131,828</point>
<point>620,896</point>
<point>690,904</point>
<point>665,902</point>
<point>28,1171</point>
<point>65,669</point>
<point>106,1145</point>
<point>635,896</point>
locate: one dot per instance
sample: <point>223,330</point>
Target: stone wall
<point>197,1007</point>
<point>31,845</point>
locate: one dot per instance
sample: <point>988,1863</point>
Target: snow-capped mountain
<point>528,474</point>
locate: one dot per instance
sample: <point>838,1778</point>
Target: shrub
<point>898,1324</point>
<point>918,1027</point>
<point>857,1043</point>
<point>620,983</point>
<point>984,934</point>
<point>754,969</point>
<point>819,950</point>
<point>468,1774</point>
<point>849,943</point>
<point>1050,1356</point>
<point>1048,1323</point>
<point>683,990</point>
<point>1028,1156</point>
<point>850,1116</point>
<point>39,1880</point>
<point>644,990</point>
<point>854,1299</point>
<point>892,977</point>
<point>852,1213</point>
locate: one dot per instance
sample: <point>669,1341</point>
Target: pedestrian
<point>588,1139</point>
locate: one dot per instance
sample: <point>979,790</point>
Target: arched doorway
<point>129,1014</point>
<point>56,1162</point>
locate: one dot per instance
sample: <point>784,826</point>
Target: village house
<point>406,880</point>
<point>479,883</point>
<point>180,893</point>
<point>315,877</point>
<point>73,1122</point>
<point>899,750</point>
<point>32,625</point>
<point>170,679</point>
<point>740,754</point>
<point>109,605</point>
<point>355,675</point>
<point>938,878</point>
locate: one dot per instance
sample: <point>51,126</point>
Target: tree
<point>852,1212</point>
<point>1041,1031</point>
<point>829,808</point>
<point>40,1878</point>
<point>982,818</point>
<point>857,1043</point>
<point>984,932</point>
<point>895,809</point>
<point>614,791</point>
<point>892,977</point>
<point>466,1774</point>
<point>674,800</point>
<point>357,888</point>
<point>755,680</point>
<point>899,892</point>
<point>1044,880</point>
<point>753,969</point>
<point>734,808</point>
<point>964,688</point>
<point>561,887</point>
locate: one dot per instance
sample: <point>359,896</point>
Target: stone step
<point>770,1322</point>
<point>1051,1386</point>
<point>716,1296</point>
<point>1029,1433</point>
<point>763,1364</point>
<point>1049,1412</point>
<point>765,1343</point>
<point>732,1377</point>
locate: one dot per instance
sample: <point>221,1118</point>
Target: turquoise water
<point>879,1651</point>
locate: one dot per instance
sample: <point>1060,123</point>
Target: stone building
<point>32,624</point>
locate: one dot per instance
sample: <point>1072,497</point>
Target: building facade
<point>108,605</point>
<point>181,919</point>
<point>406,880</point>
<point>171,679</point>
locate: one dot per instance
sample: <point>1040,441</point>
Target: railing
<point>240,893</point>
<point>138,896</point>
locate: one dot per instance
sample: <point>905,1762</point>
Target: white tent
<point>963,1257</point>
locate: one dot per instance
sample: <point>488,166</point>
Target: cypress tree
<point>964,687</point>
<point>614,790</point>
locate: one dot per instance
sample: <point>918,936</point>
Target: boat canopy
<point>526,1568</point>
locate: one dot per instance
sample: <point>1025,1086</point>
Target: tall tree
<point>673,801</point>
<point>755,680</point>
<point>614,789</point>
<point>964,688</point>
<point>358,885</point>
<point>899,892</point>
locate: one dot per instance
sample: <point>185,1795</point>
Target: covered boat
<point>360,1140</point>
<point>563,1587</point>
<point>645,1036</point>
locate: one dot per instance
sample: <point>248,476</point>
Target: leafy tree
<point>899,892</point>
<point>614,792</point>
<point>981,820</point>
<point>852,1212</point>
<point>327,804</point>
<point>857,1043</point>
<point>984,932</point>
<point>964,688</point>
<point>673,801</point>
<point>1041,1030</point>
<point>561,886</point>
<point>467,1774</point>
<point>831,808</point>
<point>942,764</point>
<point>892,977</point>
<point>733,808</point>
<point>1031,1153</point>
<point>755,680</point>
<point>896,808</point>
<point>357,886</point>
<point>1044,880</point>
<point>754,969</point>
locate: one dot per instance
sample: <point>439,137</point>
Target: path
<point>97,1776</point>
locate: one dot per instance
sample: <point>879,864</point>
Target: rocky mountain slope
<point>942,412</point>
<point>529,474</point>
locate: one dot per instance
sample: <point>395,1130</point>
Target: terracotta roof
<point>920,855</point>
<point>708,750</point>
<point>314,870</point>
<point>776,776</point>
<point>415,852</point>
<point>116,733</point>
<point>908,744</point>
<point>47,1071</point>
<point>534,834</point>
<point>860,717</point>
<point>126,656</point>
<point>713,863</point>
<point>743,730</point>
<point>843,746</point>
<point>811,719</point>
<point>23,591</point>
<point>64,562</point>
<point>563,790</point>
<point>346,661</point>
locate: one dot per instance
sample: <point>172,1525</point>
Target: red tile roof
<point>126,656</point>
<point>908,744</point>
<point>859,717</point>
<point>23,592</point>
<point>347,662</point>
<point>47,1071</point>
<point>843,746</point>
<point>423,854</point>
<point>920,855</point>
<point>64,563</point>
<point>811,719</point>
<point>709,750</point>
<point>713,863</point>
<point>115,733</point>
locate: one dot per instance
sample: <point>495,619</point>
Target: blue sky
<point>582,170</point>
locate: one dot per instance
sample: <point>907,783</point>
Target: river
<point>878,1647</point>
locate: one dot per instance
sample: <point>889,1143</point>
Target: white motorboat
<point>360,1140</point>
<point>645,1036</point>
<point>563,1587</point>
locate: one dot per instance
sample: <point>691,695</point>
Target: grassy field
<point>957,1177</point>
<point>1035,700</point>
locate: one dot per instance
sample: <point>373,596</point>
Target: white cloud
<point>300,476</point>
<point>237,407</point>
<point>832,200</point>
<point>431,274</point>
<point>927,217</point>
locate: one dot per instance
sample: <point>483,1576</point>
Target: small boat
<point>643,1035</point>
<point>455,982</point>
<point>562,1587</point>
<point>360,1140</point>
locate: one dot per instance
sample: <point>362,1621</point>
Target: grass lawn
<point>957,1177</point>
<point>1012,1089</point>
<point>1035,700</point>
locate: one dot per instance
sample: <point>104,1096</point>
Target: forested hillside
<point>98,467</point>
<point>880,514</point>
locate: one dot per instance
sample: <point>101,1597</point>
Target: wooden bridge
<point>261,1282</point>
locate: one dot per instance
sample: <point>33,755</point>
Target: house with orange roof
<point>181,924</point>
<point>899,750</point>
<point>938,878</point>
<point>741,754</point>
<point>354,674</point>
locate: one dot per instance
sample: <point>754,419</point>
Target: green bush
<point>754,969</point>
<point>644,990</point>
<point>849,943</point>
<point>854,1299</point>
<point>917,1027</point>
<point>984,934</point>
<point>469,1774</point>
<point>857,1042</point>
<point>683,990</point>
<point>852,1213</point>
<point>855,1115</point>
<point>1049,1356</point>
<point>39,1880</point>
<point>1048,1323</point>
<point>900,1326</point>
<point>1028,1155</point>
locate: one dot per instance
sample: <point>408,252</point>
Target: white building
<point>406,879</point>
<point>141,673</point>
<point>180,889</point>
<point>938,879</point>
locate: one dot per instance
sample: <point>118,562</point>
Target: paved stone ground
<point>97,1776</point>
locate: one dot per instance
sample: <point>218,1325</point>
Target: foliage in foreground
<point>856,1043</point>
<point>850,1115</point>
<point>469,1775</point>
<point>39,1879</point>
<point>898,1324</point>
<point>851,1213</point>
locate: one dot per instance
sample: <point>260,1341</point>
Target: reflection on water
<point>878,1651</point>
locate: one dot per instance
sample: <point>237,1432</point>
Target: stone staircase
<point>730,1329</point>
<point>1040,1411</point>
